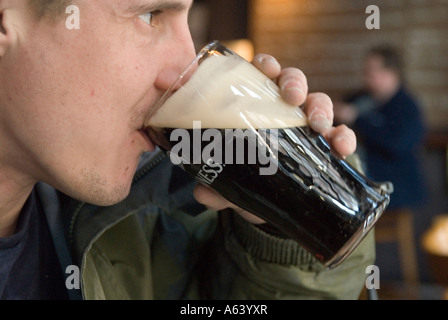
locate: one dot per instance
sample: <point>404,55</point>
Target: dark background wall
<point>225,20</point>
<point>327,40</point>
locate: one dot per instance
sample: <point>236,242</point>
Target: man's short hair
<point>391,56</point>
<point>51,9</point>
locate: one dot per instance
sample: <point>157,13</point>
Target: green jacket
<point>160,244</point>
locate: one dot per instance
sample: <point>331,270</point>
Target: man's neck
<point>13,197</point>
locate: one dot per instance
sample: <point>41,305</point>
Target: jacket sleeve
<point>393,129</point>
<point>257,265</point>
<point>249,263</point>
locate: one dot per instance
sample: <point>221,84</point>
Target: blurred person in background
<point>390,127</point>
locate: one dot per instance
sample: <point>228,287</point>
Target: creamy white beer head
<point>228,92</point>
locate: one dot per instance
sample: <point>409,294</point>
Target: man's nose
<point>176,60</point>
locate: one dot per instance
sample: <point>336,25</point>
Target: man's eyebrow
<point>161,5</point>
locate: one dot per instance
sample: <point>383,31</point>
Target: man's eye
<point>147,17</point>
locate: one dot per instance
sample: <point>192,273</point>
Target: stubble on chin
<point>96,189</point>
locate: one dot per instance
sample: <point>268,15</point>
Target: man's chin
<point>103,197</point>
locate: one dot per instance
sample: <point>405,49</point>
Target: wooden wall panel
<point>327,40</point>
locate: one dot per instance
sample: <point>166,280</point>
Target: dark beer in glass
<point>225,123</point>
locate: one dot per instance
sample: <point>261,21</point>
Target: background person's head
<point>383,71</point>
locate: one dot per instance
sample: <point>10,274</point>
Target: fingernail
<point>291,89</point>
<point>319,122</point>
<point>292,85</point>
<point>344,139</point>
<point>264,60</point>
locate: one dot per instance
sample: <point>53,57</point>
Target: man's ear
<point>6,25</point>
<point>4,41</point>
<point>14,14</point>
<point>2,29</point>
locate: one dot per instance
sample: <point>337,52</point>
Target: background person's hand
<point>317,106</point>
<point>345,113</point>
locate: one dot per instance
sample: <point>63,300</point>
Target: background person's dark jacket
<point>392,137</point>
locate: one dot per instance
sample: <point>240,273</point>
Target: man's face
<point>377,78</point>
<point>73,100</point>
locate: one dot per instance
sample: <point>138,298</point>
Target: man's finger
<point>319,110</point>
<point>342,139</point>
<point>293,86</point>
<point>210,198</point>
<point>214,201</point>
<point>268,65</point>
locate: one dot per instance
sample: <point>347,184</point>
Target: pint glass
<point>225,123</point>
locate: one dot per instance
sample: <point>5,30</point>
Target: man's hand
<point>319,110</point>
